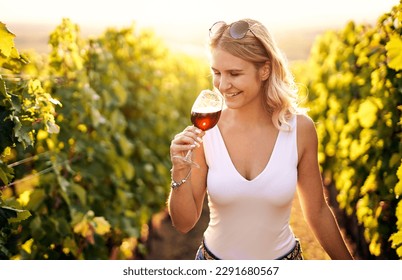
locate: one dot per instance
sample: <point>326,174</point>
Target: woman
<point>263,148</point>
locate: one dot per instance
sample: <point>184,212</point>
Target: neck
<point>249,116</point>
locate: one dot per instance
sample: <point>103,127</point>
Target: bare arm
<point>185,203</point>
<point>316,211</point>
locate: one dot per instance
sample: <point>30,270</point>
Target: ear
<point>265,71</point>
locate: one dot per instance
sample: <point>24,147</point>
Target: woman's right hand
<point>188,139</point>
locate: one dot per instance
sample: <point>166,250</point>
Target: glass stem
<point>188,155</point>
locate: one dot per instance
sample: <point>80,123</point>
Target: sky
<point>180,19</point>
<point>186,13</point>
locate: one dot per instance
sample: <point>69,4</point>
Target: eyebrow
<point>228,70</point>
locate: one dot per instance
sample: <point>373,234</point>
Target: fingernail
<point>199,139</point>
<point>198,130</point>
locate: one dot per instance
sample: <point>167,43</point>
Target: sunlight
<point>177,12</point>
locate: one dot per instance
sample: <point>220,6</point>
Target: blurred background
<point>92,92</point>
<point>184,24</point>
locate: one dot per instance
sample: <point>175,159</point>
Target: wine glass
<point>205,114</point>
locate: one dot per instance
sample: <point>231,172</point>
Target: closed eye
<point>233,73</point>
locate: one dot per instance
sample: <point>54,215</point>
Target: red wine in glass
<point>205,115</point>
<point>205,120</point>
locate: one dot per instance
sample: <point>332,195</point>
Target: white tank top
<point>249,220</point>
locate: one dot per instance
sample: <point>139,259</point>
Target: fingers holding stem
<point>184,142</point>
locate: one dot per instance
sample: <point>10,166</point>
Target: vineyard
<point>354,82</point>
<point>85,133</point>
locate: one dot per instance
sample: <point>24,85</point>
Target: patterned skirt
<point>296,253</point>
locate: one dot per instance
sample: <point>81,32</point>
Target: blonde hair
<point>280,91</point>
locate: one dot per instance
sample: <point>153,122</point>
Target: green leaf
<point>6,173</point>
<point>396,239</point>
<point>7,137</point>
<point>6,40</point>
<point>7,212</point>
<point>80,192</point>
<point>37,228</point>
<point>12,215</point>
<point>3,88</point>
<point>398,187</point>
<point>21,215</point>
<point>36,198</point>
<point>394,52</point>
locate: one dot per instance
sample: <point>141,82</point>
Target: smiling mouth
<point>232,94</point>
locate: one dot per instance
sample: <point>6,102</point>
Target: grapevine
<point>355,96</point>
<point>86,131</point>
<point>123,96</point>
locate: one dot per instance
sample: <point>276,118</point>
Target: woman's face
<point>237,79</point>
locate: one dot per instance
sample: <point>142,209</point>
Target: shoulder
<point>305,125</point>
<point>306,134</point>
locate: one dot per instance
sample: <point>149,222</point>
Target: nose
<point>224,83</point>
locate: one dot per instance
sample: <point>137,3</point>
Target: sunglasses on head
<point>237,30</point>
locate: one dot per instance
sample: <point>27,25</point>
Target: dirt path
<point>165,243</point>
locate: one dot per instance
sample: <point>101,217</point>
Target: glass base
<point>187,159</point>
